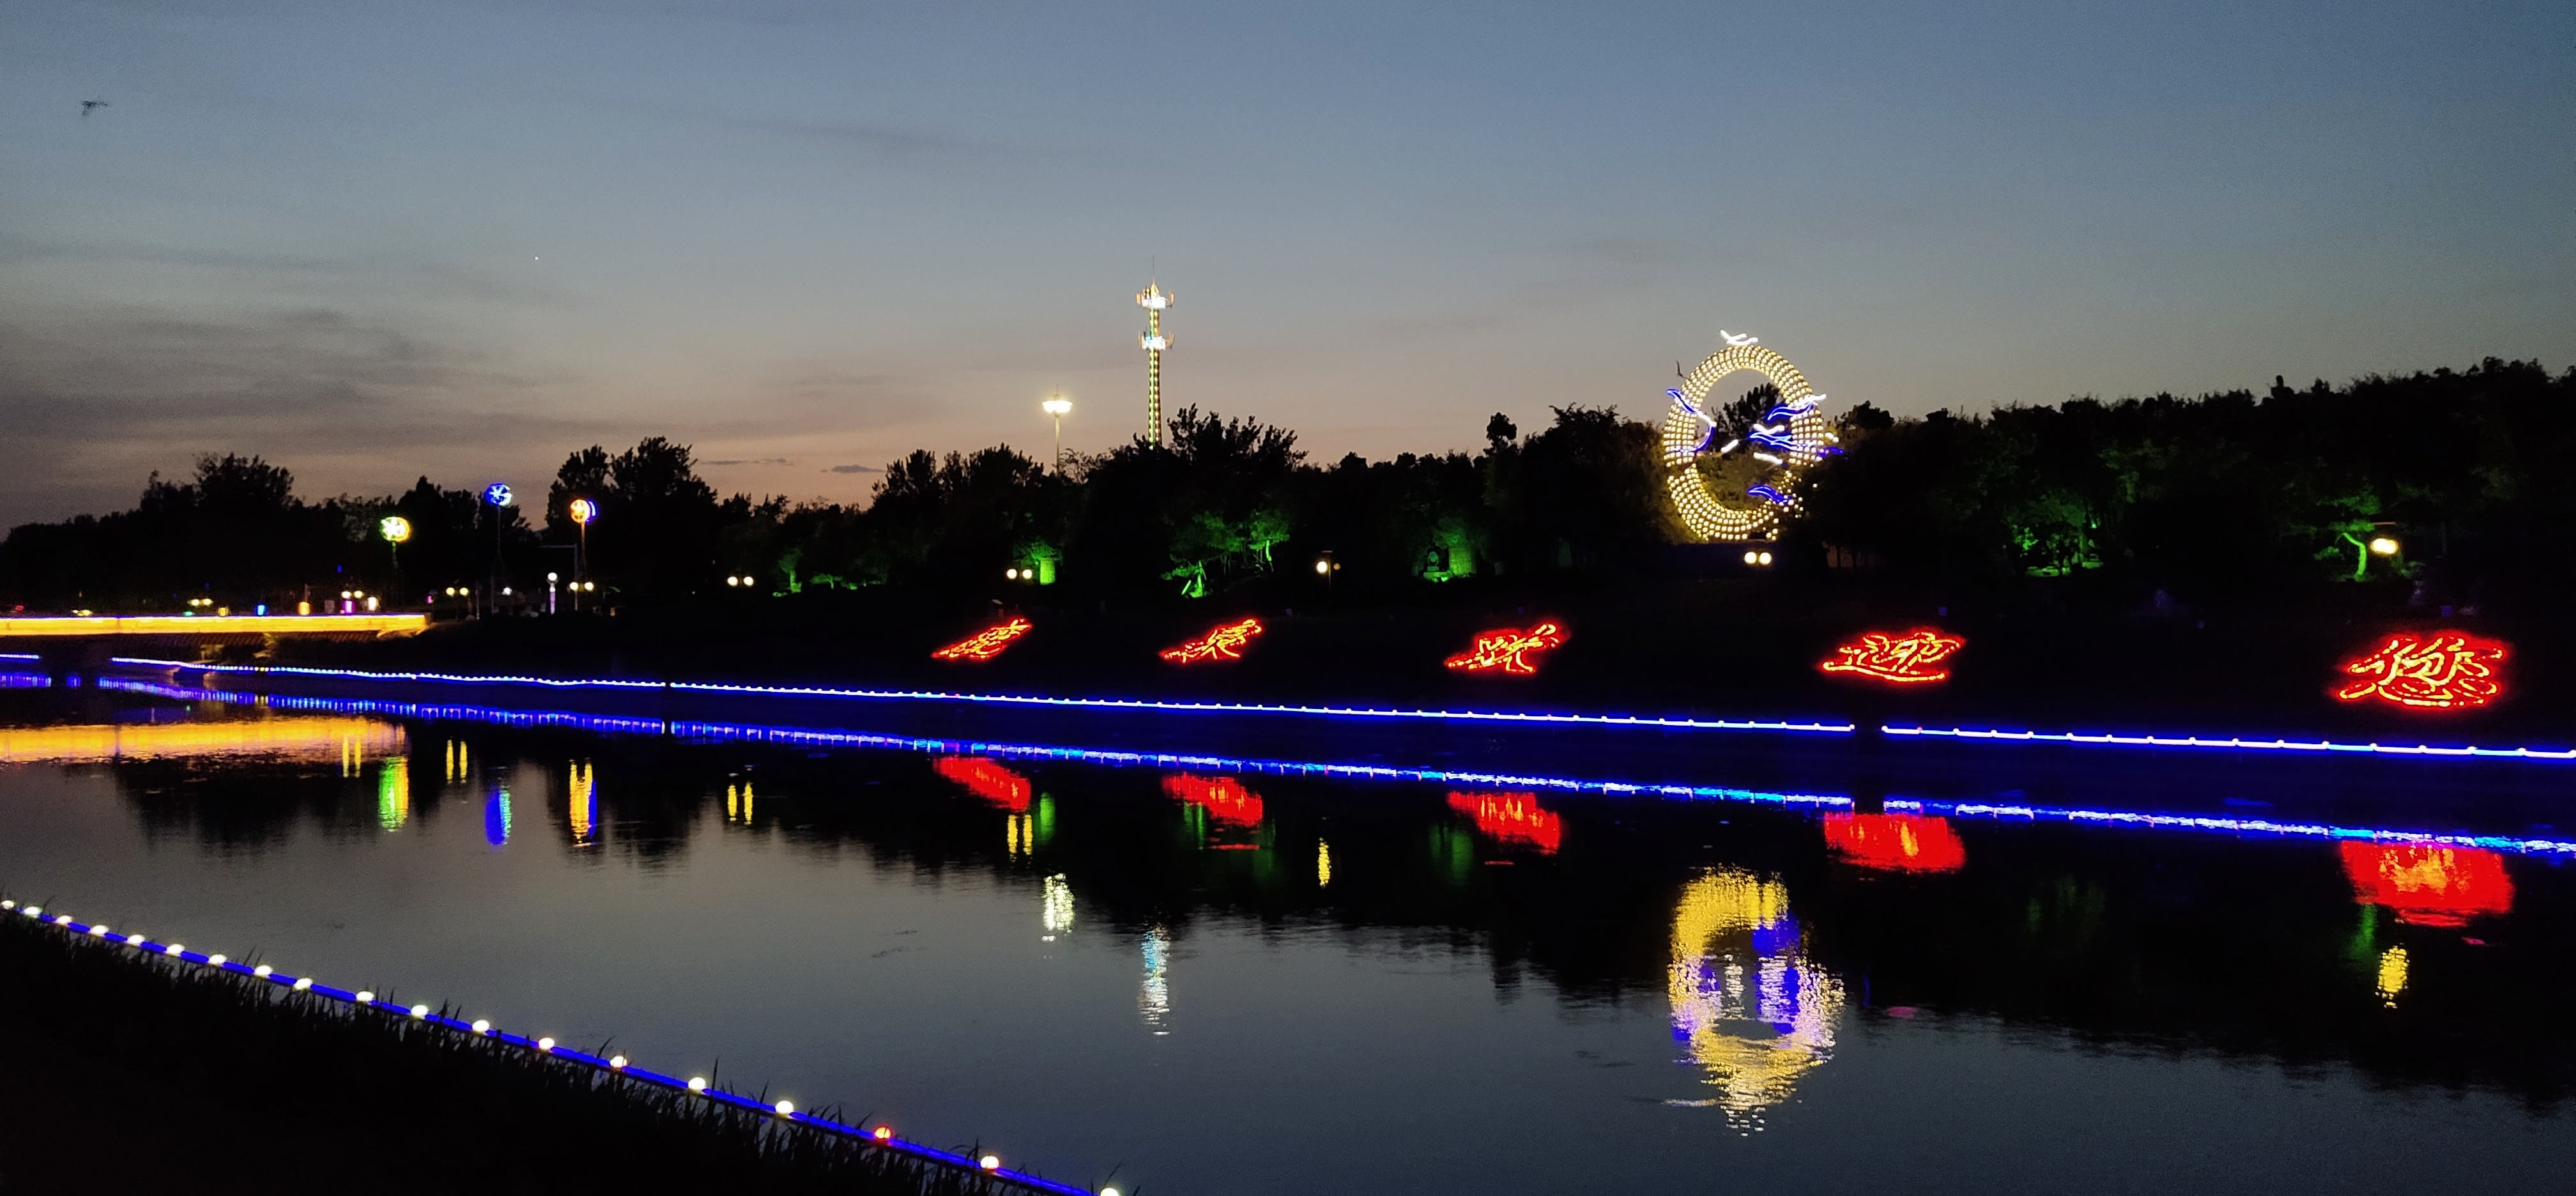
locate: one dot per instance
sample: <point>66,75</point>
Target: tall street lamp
<point>498,497</point>
<point>1058,406</point>
<point>583,511</point>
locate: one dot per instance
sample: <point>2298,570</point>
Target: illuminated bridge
<point>85,641</point>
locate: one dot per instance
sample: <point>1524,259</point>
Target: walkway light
<point>2383,546</point>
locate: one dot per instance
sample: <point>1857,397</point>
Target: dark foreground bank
<point>131,1073</point>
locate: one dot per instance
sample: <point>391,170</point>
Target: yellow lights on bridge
<point>310,739</point>
<point>183,626</point>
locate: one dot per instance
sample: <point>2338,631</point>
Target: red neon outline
<point>986,644</point>
<point>1226,799</point>
<point>1896,842</point>
<point>2427,884</point>
<point>987,780</point>
<point>1220,643</point>
<point>1508,649</point>
<point>1512,818</point>
<point>2453,670</point>
<point>1897,659</point>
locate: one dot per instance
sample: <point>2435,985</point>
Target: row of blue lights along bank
<point>881,1135</point>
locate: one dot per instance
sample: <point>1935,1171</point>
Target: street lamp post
<point>1057,405</point>
<point>395,529</point>
<point>498,497</point>
<point>583,511</point>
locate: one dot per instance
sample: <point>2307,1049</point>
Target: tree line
<point>2218,497</point>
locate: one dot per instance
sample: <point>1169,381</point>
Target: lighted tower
<point>1153,299</point>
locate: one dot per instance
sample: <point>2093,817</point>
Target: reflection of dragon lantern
<point>1747,1002</point>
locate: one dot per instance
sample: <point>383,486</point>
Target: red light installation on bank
<point>985,644</point>
<point>987,780</point>
<point>1223,643</point>
<point>1225,798</point>
<point>2427,884</point>
<point>1509,650</point>
<point>1896,842</point>
<point>1512,818</point>
<point>1908,659</point>
<point>2449,670</point>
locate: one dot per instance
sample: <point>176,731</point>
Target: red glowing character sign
<point>1908,659</point>
<point>2427,884</point>
<point>985,644</point>
<point>1896,842</point>
<point>1223,643</point>
<point>2448,671</point>
<point>987,780</point>
<point>1512,818</point>
<point>1509,650</point>
<point>1225,798</point>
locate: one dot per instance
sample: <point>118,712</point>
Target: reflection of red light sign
<point>2449,671</point>
<point>1512,818</point>
<point>1509,649</point>
<point>1224,643</point>
<point>987,780</point>
<point>1226,799</point>
<point>1907,659</point>
<point>985,644</point>
<point>2429,885</point>
<point>1896,842</point>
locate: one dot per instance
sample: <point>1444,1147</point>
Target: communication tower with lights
<point>1154,299</point>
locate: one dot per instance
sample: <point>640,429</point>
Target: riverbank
<point>1730,648</point>
<point>131,1072</point>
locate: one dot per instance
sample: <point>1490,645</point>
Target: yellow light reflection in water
<point>584,813</point>
<point>1323,863</point>
<point>1747,1003</point>
<point>393,793</point>
<point>1055,906</point>
<point>738,803</point>
<point>1020,835</point>
<point>1154,998</point>
<point>314,739</point>
<point>460,765</point>
<point>2392,974</point>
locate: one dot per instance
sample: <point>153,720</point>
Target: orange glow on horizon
<point>2450,671</point>
<point>1906,659</point>
<point>2429,885</point>
<point>985,644</point>
<point>987,780</point>
<point>1512,818</point>
<point>1226,799</point>
<point>1509,649</point>
<point>1896,842</point>
<point>1222,643</point>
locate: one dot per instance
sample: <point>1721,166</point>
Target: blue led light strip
<point>422,1013</point>
<point>812,737</point>
<point>914,695</point>
<point>20,656</point>
<point>2232,744</point>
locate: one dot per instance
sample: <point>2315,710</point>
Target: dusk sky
<point>373,241</point>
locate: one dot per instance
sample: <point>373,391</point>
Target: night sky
<point>372,241</point>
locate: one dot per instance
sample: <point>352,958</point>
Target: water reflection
<point>1896,842</point>
<point>1154,997</point>
<point>1222,815</point>
<point>393,793</point>
<point>988,780</point>
<point>1512,818</point>
<point>496,817</point>
<point>1754,1011</point>
<point>1055,906</point>
<point>583,809</point>
<point>2429,885</point>
<point>349,741</point>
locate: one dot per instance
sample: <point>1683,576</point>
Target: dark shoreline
<point>132,1072</point>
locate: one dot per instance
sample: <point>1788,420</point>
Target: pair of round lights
<point>737,582</point>
<point>1757,559</point>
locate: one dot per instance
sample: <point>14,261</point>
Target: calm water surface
<point>1215,983</point>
